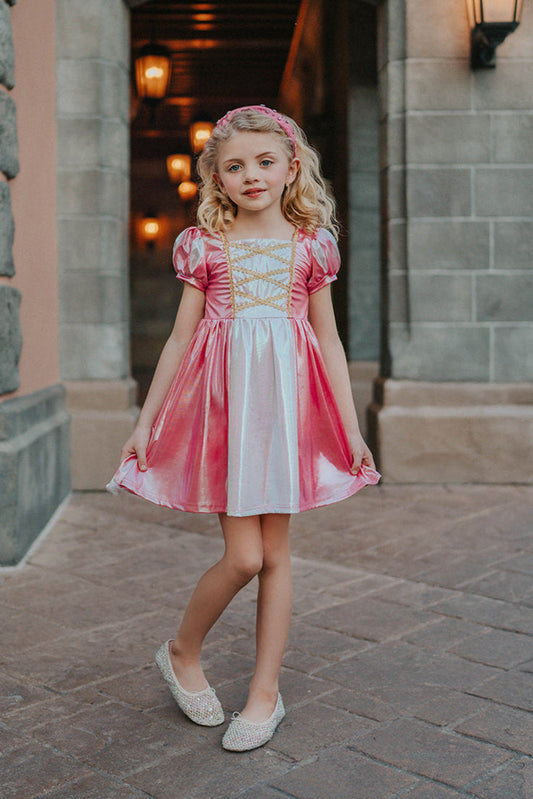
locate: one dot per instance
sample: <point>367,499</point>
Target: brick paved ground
<point>409,671</point>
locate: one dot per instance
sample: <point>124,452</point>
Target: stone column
<point>454,399</point>
<point>93,206</point>
<point>363,207</point>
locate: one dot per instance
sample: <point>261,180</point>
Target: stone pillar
<point>363,207</point>
<point>93,207</point>
<point>453,402</point>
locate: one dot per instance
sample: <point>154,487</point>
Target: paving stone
<point>316,727</point>
<point>301,661</point>
<point>400,665</point>
<point>507,585</point>
<point>455,573</point>
<point>34,768</point>
<point>209,771</point>
<point>520,563</point>
<point>514,688</point>
<point>329,644</point>
<point>17,692</point>
<point>368,704</point>
<point>513,781</point>
<point>263,792</point>
<point>496,648</point>
<point>97,786</point>
<point>430,790</point>
<point>115,738</point>
<point>423,749</point>
<point>336,770</point>
<point>370,619</point>
<point>9,739</point>
<point>503,726</point>
<point>492,612</point>
<point>54,708</point>
<point>295,688</point>
<point>417,595</point>
<point>444,633</point>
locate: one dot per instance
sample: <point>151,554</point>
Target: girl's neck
<point>258,226</point>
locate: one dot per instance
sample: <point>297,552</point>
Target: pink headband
<point>284,123</point>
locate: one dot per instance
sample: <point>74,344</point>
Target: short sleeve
<point>325,260</point>
<point>188,258</point>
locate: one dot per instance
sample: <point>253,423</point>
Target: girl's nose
<point>250,175</point>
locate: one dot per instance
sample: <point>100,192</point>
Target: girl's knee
<point>246,565</point>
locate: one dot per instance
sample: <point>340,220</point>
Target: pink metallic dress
<point>249,424</point>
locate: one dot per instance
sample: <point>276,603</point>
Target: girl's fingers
<point>356,464</point>
<point>141,458</point>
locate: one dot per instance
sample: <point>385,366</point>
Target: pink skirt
<point>249,426</point>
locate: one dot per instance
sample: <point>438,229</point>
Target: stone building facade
<point>441,231</point>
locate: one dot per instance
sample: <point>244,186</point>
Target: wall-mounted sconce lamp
<point>152,72</point>
<point>199,132</point>
<point>187,190</point>
<point>492,21</point>
<point>149,229</point>
<point>179,167</point>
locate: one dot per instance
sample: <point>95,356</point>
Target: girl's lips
<point>253,192</point>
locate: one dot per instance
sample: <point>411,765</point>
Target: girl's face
<point>253,170</point>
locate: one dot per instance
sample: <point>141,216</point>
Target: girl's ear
<point>294,166</point>
<point>217,180</point>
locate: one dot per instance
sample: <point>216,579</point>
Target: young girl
<point>250,412</point>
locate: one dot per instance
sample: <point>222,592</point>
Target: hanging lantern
<point>187,190</point>
<point>149,229</point>
<point>152,72</point>
<point>492,21</point>
<point>199,132</point>
<point>179,167</point>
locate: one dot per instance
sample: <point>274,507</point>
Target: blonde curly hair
<point>306,203</point>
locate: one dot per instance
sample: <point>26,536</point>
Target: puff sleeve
<point>188,258</point>
<point>325,260</point>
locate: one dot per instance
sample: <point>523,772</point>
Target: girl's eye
<point>266,162</point>
<point>233,168</point>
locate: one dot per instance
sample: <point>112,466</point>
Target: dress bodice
<point>256,278</point>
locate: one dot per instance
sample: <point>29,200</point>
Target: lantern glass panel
<point>179,167</point>
<point>497,10</point>
<point>200,132</point>
<point>152,73</point>
<point>150,228</point>
<point>187,190</point>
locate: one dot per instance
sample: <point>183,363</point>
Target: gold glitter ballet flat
<point>202,707</point>
<point>243,734</point>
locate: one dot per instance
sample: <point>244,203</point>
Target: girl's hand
<point>360,453</point>
<point>136,445</point>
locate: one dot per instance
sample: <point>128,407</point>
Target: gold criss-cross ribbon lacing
<point>241,299</point>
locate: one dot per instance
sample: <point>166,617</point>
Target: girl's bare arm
<point>190,312</point>
<point>322,319</point>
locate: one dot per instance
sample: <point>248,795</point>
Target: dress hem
<point>116,488</point>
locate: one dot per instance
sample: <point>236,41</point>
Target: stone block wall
<point>93,92</point>
<point>10,330</point>
<point>457,178</point>
<point>456,175</point>
<point>363,187</point>
<point>93,201</point>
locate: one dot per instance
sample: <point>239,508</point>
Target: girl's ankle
<point>184,657</point>
<point>263,693</point>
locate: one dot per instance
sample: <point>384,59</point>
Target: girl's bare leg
<point>274,605</point>
<point>242,560</point>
